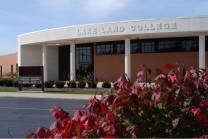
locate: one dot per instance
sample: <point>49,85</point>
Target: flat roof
<point>120,28</point>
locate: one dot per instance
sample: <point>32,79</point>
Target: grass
<point>78,91</point>
<point>8,89</point>
<point>88,91</point>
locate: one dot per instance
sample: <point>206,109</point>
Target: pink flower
<point>58,113</point>
<point>122,85</point>
<point>41,133</point>
<point>94,105</point>
<point>111,117</point>
<point>87,121</point>
<point>172,77</point>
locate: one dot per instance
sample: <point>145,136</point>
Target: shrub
<point>72,84</point>
<point>92,84</point>
<point>106,84</point>
<point>7,82</point>
<point>1,82</point>
<point>174,106</point>
<point>81,84</point>
<point>15,83</point>
<point>38,85</point>
<point>60,84</point>
<point>49,84</point>
<point>27,85</point>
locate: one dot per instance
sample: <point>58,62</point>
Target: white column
<point>19,59</point>
<point>44,62</point>
<point>128,58</point>
<point>202,51</point>
<point>19,55</point>
<point>72,62</point>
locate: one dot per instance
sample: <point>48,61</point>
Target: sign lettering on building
<point>127,28</point>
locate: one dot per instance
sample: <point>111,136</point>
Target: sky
<point>22,16</point>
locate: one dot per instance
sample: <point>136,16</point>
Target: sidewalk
<point>45,95</point>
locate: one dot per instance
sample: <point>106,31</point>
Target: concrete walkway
<point>46,95</point>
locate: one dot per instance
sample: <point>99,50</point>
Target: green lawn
<point>61,91</point>
<point>8,89</point>
<point>78,91</point>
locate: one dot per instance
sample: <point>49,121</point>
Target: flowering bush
<point>175,104</point>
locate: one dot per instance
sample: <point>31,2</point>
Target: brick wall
<point>6,61</point>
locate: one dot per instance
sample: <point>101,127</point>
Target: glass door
<point>84,61</point>
<point>64,63</point>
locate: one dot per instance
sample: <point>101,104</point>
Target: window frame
<point>177,46</point>
<point>110,47</point>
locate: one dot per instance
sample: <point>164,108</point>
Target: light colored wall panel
<point>31,56</point>
<point>53,63</point>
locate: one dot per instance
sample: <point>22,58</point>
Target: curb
<point>46,95</point>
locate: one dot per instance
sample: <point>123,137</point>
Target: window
<point>120,47</point>
<point>142,46</point>
<point>190,45</point>
<point>104,49</point>
<point>168,46</point>
<point>109,48</point>
<point>148,47</point>
<point>84,60</point>
<point>64,62</point>
<point>135,46</point>
<point>185,44</point>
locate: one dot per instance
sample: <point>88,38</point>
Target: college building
<point>106,50</point>
<point>8,64</point>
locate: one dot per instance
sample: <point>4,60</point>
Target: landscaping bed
<point>175,106</point>
<point>89,91</point>
<point>64,87</point>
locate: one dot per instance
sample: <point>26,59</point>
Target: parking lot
<point>19,116</point>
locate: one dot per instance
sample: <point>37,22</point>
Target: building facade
<point>106,50</point>
<point>7,62</point>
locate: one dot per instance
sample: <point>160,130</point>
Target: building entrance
<point>64,63</point>
<point>84,61</point>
